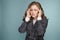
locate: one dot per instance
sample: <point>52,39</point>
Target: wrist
<point>39,18</point>
<point>27,19</point>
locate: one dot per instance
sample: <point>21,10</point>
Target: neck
<point>35,19</point>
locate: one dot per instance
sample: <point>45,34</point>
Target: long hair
<point>39,6</point>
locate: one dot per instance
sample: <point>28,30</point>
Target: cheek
<point>35,13</point>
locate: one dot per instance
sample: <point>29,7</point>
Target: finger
<point>28,9</point>
<point>39,13</point>
<point>39,10</point>
<point>28,12</point>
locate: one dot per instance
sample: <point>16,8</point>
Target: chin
<point>33,16</point>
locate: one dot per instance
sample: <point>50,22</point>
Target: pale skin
<point>34,11</point>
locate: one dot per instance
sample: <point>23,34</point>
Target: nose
<point>33,11</point>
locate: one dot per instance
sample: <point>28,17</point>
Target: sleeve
<point>39,18</point>
<point>23,26</point>
<point>42,25</point>
<point>27,19</point>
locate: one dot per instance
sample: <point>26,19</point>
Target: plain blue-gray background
<point>11,14</point>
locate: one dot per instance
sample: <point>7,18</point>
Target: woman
<point>34,22</point>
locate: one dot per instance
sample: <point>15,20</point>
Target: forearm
<point>23,26</point>
<point>42,25</point>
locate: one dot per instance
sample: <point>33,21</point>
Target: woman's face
<point>34,11</point>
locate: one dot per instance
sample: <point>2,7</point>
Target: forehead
<point>34,7</point>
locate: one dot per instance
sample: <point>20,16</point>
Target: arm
<point>23,26</point>
<point>42,25</point>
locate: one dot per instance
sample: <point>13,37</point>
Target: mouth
<point>33,14</point>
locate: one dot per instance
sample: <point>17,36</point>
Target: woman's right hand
<point>28,13</point>
<point>28,16</point>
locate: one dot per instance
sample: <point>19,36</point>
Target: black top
<point>36,31</point>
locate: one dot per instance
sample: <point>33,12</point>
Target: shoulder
<point>45,20</point>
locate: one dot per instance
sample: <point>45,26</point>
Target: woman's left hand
<point>40,13</point>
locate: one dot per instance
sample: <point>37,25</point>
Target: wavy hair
<point>39,6</point>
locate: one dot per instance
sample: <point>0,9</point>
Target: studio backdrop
<point>12,12</point>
